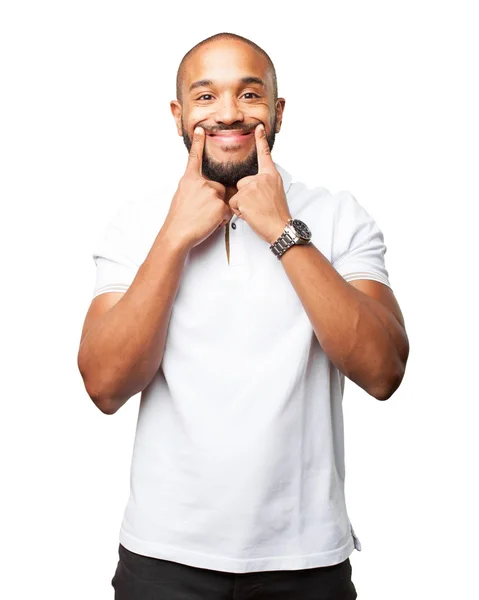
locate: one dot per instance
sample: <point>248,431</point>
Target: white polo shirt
<point>238,461</point>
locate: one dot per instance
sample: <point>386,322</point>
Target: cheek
<point>198,116</point>
<point>266,117</point>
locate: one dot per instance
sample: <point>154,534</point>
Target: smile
<point>230,137</point>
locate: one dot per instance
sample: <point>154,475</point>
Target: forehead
<point>225,62</point>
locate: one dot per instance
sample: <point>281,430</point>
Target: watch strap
<point>285,241</point>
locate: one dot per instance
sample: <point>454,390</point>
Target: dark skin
<point>228,102</point>
<point>359,324</point>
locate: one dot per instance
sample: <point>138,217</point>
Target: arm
<point>358,324</point>
<point>124,335</point>
<point>122,345</point>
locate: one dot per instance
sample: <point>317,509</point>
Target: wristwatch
<point>295,232</point>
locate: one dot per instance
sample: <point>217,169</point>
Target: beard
<point>228,173</point>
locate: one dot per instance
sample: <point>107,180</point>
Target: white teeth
<point>225,135</point>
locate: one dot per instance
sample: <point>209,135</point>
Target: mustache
<point>239,127</point>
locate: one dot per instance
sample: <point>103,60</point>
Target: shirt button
<point>233,225</point>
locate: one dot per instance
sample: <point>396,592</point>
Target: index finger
<point>195,157</point>
<point>265,161</point>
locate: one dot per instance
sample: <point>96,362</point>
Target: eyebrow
<point>208,82</point>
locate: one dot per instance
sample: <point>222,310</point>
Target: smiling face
<point>227,89</point>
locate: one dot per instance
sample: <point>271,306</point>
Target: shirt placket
<point>237,264</point>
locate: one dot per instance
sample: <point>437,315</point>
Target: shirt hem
<point>235,565</point>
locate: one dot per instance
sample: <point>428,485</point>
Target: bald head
<point>180,76</point>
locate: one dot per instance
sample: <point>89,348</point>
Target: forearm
<point>360,336</point>
<point>123,350</point>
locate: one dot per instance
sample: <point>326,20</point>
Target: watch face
<point>302,229</point>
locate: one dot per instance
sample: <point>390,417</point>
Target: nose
<point>228,112</point>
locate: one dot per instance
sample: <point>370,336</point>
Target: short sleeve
<point>112,250</point>
<point>359,247</point>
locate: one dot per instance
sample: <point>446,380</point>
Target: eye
<point>207,97</point>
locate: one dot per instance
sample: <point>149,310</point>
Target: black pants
<point>140,577</point>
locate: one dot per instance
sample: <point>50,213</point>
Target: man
<point>237,301</point>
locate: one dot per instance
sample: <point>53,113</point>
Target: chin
<point>229,172</point>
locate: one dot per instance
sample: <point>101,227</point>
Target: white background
<point>381,100</point>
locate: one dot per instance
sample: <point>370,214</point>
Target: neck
<point>230,192</point>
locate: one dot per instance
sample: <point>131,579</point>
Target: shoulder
<point>352,220</point>
<point>348,207</point>
<point>339,222</point>
<point>341,206</point>
<point>136,222</point>
<point>303,194</point>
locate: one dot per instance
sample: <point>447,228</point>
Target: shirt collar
<point>285,176</point>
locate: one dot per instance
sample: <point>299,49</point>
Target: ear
<point>280,102</point>
<point>176,110</point>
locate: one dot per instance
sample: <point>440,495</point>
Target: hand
<point>260,199</point>
<point>198,207</point>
